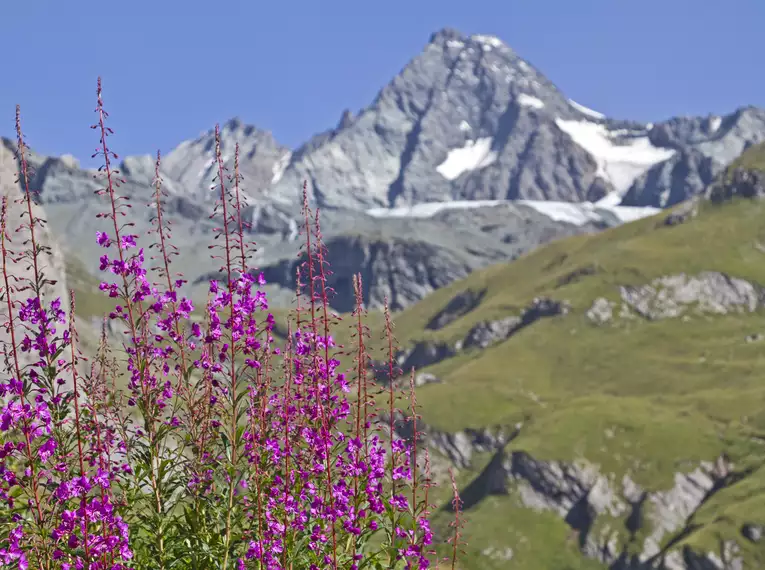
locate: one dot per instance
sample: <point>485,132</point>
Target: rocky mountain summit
<point>469,119</point>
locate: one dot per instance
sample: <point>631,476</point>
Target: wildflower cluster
<point>56,482</point>
<point>208,441</point>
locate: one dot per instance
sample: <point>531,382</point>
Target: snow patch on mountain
<point>586,111</point>
<point>568,212</point>
<point>621,155</point>
<point>627,214</point>
<point>430,209</point>
<point>280,166</point>
<point>577,214</point>
<point>474,155</point>
<point>530,101</point>
<point>490,41</point>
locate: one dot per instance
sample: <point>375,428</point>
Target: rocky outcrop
<point>400,270</point>
<point>605,512</point>
<point>398,259</point>
<point>424,353</point>
<point>683,213</point>
<point>458,448</point>
<point>581,495</point>
<point>460,305</point>
<point>490,332</point>
<point>484,334</point>
<point>673,296</point>
<point>704,149</point>
<point>753,532</point>
<point>602,311</point>
<point>684,175</point>
<point>487,333</point>
<point>262,161</point>
<point>742,183</point>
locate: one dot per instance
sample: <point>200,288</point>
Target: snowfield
<point>474,155</point>
<point>586,111</point>
<point>621,156</point>
<point>575,213</point>
<point>526,100</point>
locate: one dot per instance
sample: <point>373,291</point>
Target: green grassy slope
<point>644,398</point>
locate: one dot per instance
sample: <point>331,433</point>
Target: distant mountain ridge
<point>467,125</point>
<point>469,119</point>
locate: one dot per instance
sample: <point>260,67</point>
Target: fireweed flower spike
<point>47,480</point>
<point>456,525</point>
<point>204,440</point>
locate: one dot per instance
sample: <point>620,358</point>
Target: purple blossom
<point>102,239</point>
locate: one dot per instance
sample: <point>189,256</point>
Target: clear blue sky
<point>173,68</point>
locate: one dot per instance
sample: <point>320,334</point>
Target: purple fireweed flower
<point>102,239</point>
<point>127,241</point>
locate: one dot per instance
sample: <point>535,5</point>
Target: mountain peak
<point>450,38</point>
<point>233,123</point>
<point>192,163</point>
<point>444,35</point>
<point>238,129</point>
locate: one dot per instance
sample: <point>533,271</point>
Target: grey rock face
<point>672,508</point>
<point>602,311</point>
<point>192,164</point>
<point>460,305</point>
<point>424,378</point>
<point>743,183</point>
<point>684,175</point>
<point>550,485</point>
<point>490,332</point>
<point>579,493</point>
<point>458,447</point>
<point>680,131</point>
<point>708,292</point>
<point>683,213</point>
<point>704,148</point>
<point>673,296</point>
<point>401,258</point>
<point>470,93</point>
<point>402,271</point>
<point>424,354</point>
<point>487,333</point>
<point>753,532</point>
